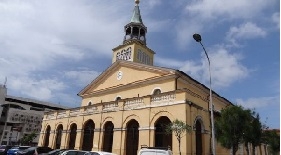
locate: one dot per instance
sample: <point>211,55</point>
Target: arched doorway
<point>108,137</point>
<point>88,135</point>
<point>132,137</point>
<point>58,137</point>
<point>72,136</point>
<point>198,134</point>
<point>162,139</point>
<point>47,136</point>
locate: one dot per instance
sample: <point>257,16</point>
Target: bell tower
<point>134,44</point>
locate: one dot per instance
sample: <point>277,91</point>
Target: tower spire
<point>135,30</point>
<point>134,47</point>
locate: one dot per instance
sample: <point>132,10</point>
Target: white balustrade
<point>133,103</point>
<point>163,98</point>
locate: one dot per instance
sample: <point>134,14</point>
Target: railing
<point>164,98</point>
<point>74,112</point>
<point>61,114</point>
<point>111,106</point>
<point>51,116</point>
<point>123,104</point>
<point>90,110</point>
<point>133,103</point>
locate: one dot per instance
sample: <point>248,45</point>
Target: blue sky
<point>50,50</point>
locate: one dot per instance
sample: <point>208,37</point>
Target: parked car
<point>37,150</point>
<point>145,150</point>
<point>4,149</point>
<point>74,152</point>
<point>55,152</point>
<point>15,149</point>
<point>99,153</point>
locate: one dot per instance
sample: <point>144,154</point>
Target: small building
<point>21,116</point>
<point>131,102</point>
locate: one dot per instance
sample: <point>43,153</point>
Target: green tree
<point>27,139</point>
<point>230,127</point>
<point>272,139</point>
<point>253,133</point>
<point>179,128</point>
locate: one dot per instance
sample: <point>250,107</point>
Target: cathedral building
<point>131,102</point>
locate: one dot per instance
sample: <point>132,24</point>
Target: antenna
<point>5,82</point>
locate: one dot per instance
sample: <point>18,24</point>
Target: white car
<point>154,151</point>
<point>74,152</point>
<point>99,153</point>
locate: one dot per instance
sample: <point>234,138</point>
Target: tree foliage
<point>253,132</point>
<point>272,139</point>
<point>231,126</point>
<point>27,139</point>
<point>179,128</point>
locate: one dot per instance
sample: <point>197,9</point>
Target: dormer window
<point>156,92</point>
<point>90,103</point>
<point>118,98</point>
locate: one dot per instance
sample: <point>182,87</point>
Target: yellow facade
<point>130,103</point>
<point>181,98</point>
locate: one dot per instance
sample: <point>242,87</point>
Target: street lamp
<point>197,38</point>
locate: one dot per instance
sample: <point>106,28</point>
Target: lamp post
<point>197,38</point>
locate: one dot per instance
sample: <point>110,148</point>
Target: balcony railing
<point>133,103</point>
<point>164,98</point>
<point>168,98</point>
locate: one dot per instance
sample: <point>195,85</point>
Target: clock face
<point>119,75</point>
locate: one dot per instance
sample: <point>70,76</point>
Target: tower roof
<point>136,18</point>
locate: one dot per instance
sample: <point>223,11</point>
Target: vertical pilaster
<point>79,139</point>
<point>52,139</point>
<point>96,140</point>
<point>118,141</point>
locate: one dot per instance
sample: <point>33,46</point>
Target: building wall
<point>145,110</point>
<point>143,90</point>
<point>19,117</point>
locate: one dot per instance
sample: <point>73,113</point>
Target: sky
<point>51,49</point>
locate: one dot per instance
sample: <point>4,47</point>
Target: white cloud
<point>185,29</point>
<point>153,3</point>
<point>276,19</point>
<point>43,89</point>
<point>45,36</point>
<point>245,31</point>
<point>259,102</point>
<point>209,9</point>
<point>226,68</point>
<point>82,78</point>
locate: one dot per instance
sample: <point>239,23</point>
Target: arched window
<point>162,139</point>
<point>108,137</point>
<point>73,132</point>
<point>156,92</point>
<point>47,136</point>
<point>58,136</point>
<point>90,103</point>
<point>88,135</point>
<point>198,138</point>
<point>132,137</point>
<point>118,98</point>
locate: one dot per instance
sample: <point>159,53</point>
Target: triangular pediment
<point>125,73</point>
